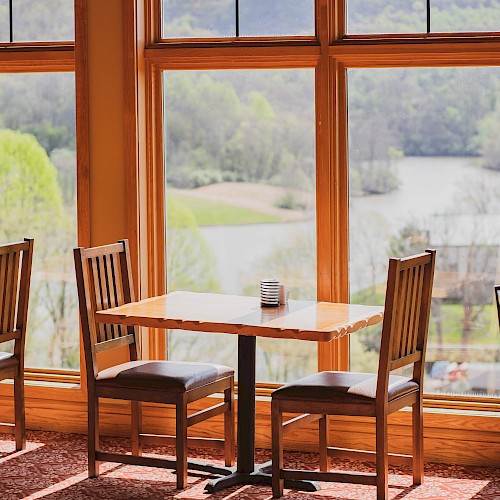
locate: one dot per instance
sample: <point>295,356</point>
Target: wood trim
<point>153,219</point>
<point>133,105</point>
<point>417,53</point>
<point>48,60</point>
<point>452,437</point>
<point>233,57</point>
<point>82,122</point>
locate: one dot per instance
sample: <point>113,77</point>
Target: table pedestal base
<point>262,476</point>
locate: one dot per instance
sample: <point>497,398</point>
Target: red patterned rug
<point>54,466</point>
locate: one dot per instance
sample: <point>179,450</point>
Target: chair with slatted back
<point>104,280</point>
<point>404,337</point>
<point>15,278</point>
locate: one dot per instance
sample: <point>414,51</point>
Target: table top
<point>210,312</point>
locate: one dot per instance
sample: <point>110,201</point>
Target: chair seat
<point>177,376</point>
<point>7,360</point>
<point>343,387</point>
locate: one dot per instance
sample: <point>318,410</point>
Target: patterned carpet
<point>54,467</point>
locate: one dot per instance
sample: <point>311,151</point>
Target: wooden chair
<point>404,337</point>
<point>497,296</point>
<point>15,278</point>
<point>104,280</point>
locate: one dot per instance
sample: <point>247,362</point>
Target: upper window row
<point>36,21</point>
<point>261,18</point>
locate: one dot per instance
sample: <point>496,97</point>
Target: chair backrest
<point>104,280</point>
<point>406,316</point>
<point>15,279</point>
<point>497,296</point>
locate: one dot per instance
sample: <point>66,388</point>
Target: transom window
<point>36,21</point>
<point>237,18</point>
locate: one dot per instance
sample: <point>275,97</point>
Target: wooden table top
<point>210,312</point>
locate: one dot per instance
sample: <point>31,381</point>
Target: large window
<point>240,198</point>
<point>38,200</point>
<point>38,169</point>
<point>425,172</point>
<point>402,113</point>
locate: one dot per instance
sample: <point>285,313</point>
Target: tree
<point>31,205</point>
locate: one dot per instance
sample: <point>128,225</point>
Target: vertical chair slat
<point>97,296</point>
<point>104,293</point>
<point>110,275</point>
<point>118,279</point>
<point>399,305</point>
<point>404,304</point>
<point>13,291</point>
<point>412,327</point>
<point>410,305</point>
<point>419,306</point>
<point>3,268</point>
<point>8,300</point>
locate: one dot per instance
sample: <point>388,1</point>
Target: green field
<point>215,213</point>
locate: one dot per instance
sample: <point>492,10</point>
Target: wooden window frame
<point>331,53</point>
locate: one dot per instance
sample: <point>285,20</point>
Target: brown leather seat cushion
<point>166,375</point>
<point>7,360</point>
<point>333,386</point>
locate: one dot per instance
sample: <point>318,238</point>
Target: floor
<point>54,466</point>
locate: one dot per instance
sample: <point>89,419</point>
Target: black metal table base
<point>246,472</point>
<point>258,477</point>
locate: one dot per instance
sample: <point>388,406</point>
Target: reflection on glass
<point>386,16</point>
<point>43,21</point>
<point>424,171</point>
<point>277,18</point>
<point>38,200</point>
<point>240,197</point>
<point>464,15</point>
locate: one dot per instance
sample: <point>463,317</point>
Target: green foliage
<point>220,128</point>
<point>190,263</point>
<point>488,138</point>
<point>291,201</point>
<point>210,213</point>
<point>29,193</point>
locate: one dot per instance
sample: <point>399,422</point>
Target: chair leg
<point>277,449</point>
<point>382,457</point>
<point>229,442</point>
<point>93,435</point>
<point>181,441</point>
<point>19,418</point>
<point>418,442</point>
<point>324,442</point>
<point>136,427</point>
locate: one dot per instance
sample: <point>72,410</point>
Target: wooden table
<point>243,316</point>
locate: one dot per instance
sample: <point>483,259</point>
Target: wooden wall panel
<point>468,439</point>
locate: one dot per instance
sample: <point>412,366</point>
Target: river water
<point>428,186</point>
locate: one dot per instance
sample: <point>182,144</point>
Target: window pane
<point>425,172</point>
<point>240,171</point>
<point>277,18</point>
<point>4,21</point>
<point>386,16</point>
<point>38,200</point>
<point>465,15</point>
<point>43,20</point>
<point>230,18</point>
<point>199,19</point>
